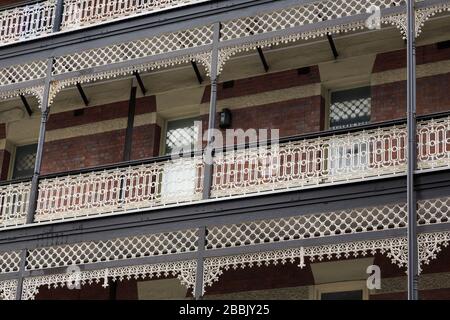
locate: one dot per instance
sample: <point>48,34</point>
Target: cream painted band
<point>265,98</point>
<point>433,281</point>
<point>99,127</point>
<point>430,281</point>
<point>424,70</point>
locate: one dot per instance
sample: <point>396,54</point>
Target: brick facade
<point>101,148</point>
<point>5,155</point>
<point>291,116</point>
<point>389,100</point>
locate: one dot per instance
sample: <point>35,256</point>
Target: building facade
<point>97,98</point>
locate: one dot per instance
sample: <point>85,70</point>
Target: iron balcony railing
<point>38,19</point>
<point>307,161</point>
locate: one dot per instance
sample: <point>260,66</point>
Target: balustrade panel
<point>27,22</point>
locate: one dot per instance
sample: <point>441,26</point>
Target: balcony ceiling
<point>357,53</point>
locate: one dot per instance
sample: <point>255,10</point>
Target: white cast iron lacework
<point>391,216</point>
<point>79,13</point>
<point>132,50</point>
<point>8,290</point>
<point>299,16</point>
<point>203,58</point>
<point>368,154</point>
<point>185,271</point>
<point>433,143</point>
<point>27,22</point>
<point>119,190</point>
<point>23,72</point>
<point>310,162</point>
<point>14,200</point>
<point>9,262</point>
<point>112,250</point>
<point>396,249</point>
<point>37,92</point>
<point>308,226</point>
<point>425,14</point>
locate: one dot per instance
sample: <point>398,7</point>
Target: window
<point>343,295</point>
<point>181,134</point>
<point>348,290</point>
<point>350,108</point>
<point>24,161</point>
<point>179,177</point>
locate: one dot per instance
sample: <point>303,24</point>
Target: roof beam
<point>332,46</point>
<point>263,59</point>
<point>26,105</point>
<point>197,72</point>
<point>140,82</point>
<point>82,94</point>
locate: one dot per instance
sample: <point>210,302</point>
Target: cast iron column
<point>209,151</point>
<point>45,110</point>
<point>413,260</point>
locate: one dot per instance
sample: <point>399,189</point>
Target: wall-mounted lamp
<point>225,119</point>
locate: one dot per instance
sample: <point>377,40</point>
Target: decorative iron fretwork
<point>311,162</point>
<point>23,72</point>
<point>112,250</point>
<point>9,261</point>
<point>311,226</point>
<point>8,289</point>
<point>120,190</point>
<point>81,13</point>
<point>27,21</point>
<point>396,249</point>
<point>132,50</point>
<point>185,271</point>
<point>37,92</point>
<point>14,200</point>
<point>203,58</point>
<point>319,225</point>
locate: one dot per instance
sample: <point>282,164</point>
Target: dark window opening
<point>344,295</point>
<point>350,108</point>
<point>181,135</point>
<point>24,161</point>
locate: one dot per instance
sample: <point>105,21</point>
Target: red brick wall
<point>389,100</point>
<point>103,148</point>
<point>9,2</point>
<point>99,149</point>
<point>291,117</point>
<point>264,83</point>
<point>5,156</point>
<point>125,290</point>
<point>100,113</point>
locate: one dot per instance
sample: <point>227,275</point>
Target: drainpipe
<point>45,110</point>
<point>209,151</point>
<point>413,260</point>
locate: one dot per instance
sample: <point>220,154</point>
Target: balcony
<point>330,158</point>
<point>39,19</point>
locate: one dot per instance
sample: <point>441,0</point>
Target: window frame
<point>337,287</point>
<point>328,100</point>
<point>13,160</point>
<point>162,149</point>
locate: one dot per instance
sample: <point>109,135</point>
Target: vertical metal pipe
<point>200,263</point>
<point>23,260</point>
<point>130,126</point>
<point>45,110</point>
<point>59,11</point>
<point>207,179</point>
<point>413,260</point>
